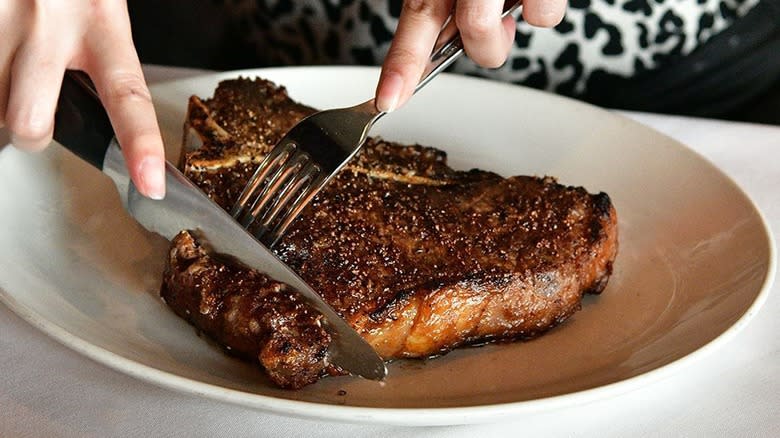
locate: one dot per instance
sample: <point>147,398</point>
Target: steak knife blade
<point>83,127</point>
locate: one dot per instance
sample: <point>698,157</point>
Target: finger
<point>5,80</point>
<point>483,31</point>
<point>35,79</point>
<point>510,29</point>
<point>544,13</point>
<point>113,64</point>
<point>418,26</point>
<point>11,19</point>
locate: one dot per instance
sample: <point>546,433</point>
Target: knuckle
<point>127,86</point>
<point>474,24</point>
<point>401,59</point>
<point>419,7</point>
<point>143,141</point>
<point>98,10</point>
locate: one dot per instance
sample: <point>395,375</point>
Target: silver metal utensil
<point>315,149</point>
<point>82,126</point>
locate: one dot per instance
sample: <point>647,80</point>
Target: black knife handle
<point>81,123</point>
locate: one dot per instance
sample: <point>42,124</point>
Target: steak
<point>419,258</point>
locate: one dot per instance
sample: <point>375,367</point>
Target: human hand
<point>487,38</point>
<point>40,40</point>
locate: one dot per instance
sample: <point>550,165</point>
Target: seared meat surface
<point>418,257</point>
<point>249,314</point>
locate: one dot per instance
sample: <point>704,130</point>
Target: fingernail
<point>389,92</point>
<point>151,173</point>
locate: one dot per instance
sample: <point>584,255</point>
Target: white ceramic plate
<point>695,259</point>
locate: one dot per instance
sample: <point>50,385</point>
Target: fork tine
<point>306,194</point>
<point>275,158</point>
<point>269,181</point>
<point>278,183</point>
<point>295,175</point>
<point>282,210</point>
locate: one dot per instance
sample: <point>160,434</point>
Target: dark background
<point>196,34</point>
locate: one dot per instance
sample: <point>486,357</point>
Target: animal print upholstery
<point>597,38</point>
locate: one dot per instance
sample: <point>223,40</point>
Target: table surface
<point>47,389</point>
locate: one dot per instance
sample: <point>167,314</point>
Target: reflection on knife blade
<point>82,126</point>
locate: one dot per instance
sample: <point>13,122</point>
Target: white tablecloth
<point>47,389</point>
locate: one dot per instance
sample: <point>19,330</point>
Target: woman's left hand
<point>487,38</point>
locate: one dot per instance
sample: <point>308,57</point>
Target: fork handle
<point>449,47</point>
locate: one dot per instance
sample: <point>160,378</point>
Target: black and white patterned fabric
<point>597,38</point>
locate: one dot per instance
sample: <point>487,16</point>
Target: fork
<point>316,148</point>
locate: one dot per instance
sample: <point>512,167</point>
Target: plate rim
<point>407,416</point>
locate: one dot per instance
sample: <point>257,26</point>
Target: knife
<point>82,126</point>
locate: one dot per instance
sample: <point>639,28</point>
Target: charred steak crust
<point>249,314</point>
<point>418,257</point>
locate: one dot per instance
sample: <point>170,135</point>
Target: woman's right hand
<point>40,40</point>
